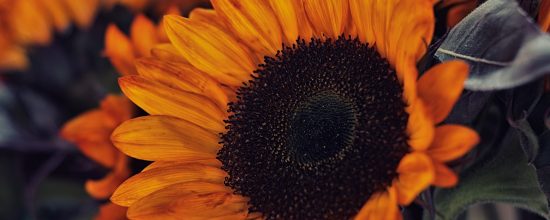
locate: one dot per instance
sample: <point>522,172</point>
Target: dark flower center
<point>319,129</point>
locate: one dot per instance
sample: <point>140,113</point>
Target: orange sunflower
<point>90,132</point>
<point>294,109</point>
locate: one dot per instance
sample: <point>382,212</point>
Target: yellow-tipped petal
<point>158,99</point>
<point>194,200</point>
<point>145,183</point>
<point>452,142</point>
<point>416,173</point>
<point>119,50</point>
<point>210,49</point>
<point>253,22</point>
<point>184,77</point>
<point>381,206</point>
<point>143,35</point>
<point>165,138</point>
<point>441,86</point>
<point>328,17</point>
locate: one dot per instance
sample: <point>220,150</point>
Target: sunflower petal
<point>168,163</point>
<point>293,19</point>
<point>544,15</point>
<point>91,135</point>
<point>441,86</point>
<point>111,211</point>
<point>119,50</point>
<point>328,17</point>
<point>253,22</point>
<point>409,31</point>
<point>451,142</point>
<point>183,77</point>
<point>207,16</point>
<point>145,183</point>
<point>143,35</point>
<point>158,99</point>
<point>416,173</point>
<point>420,127</point>
<point>83,12</point>
<point>165,138</point>
<point>192,200</point>
<point>206,47</point>
<point>104,188</point>
<point>381,206</point>
<point>167,52</point>
<point>444,177</point>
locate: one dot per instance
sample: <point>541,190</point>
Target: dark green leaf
<point>503,45</point>
<point>506,178</point>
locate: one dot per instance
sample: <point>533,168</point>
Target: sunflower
<point>291,110</point>
<point>90,132</point>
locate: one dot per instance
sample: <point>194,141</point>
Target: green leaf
<point>505,178</point>
<point>503,45</point>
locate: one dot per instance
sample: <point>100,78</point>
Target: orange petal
<point>420,127</point>
<point>104,188</point>
<point>25,14</point>
<point>328,17</point>
<point>409,30</point>
<point>441,86</point>
<point>381,206</point>
<point>90,132</point>
<point>143,35</point>
<point>207,47</point>
<point>165,138</point>
<point>207,16</point>
<point>119,50</point>
<point>293,19</point>
<point>167,52</point>
<point>83,12</point>
<point>111,211</point>
<point>253,22</point>
<point>361,12</point>
<point>416,173</point>
<point>118,108</point>
<point>145,183</point>
<point>165,163</point>
<point>13,58</point>
<point>57,13</point>
<point>192,200</point>
<point>451,142</point>
<point>544,15</point>
<point>184,77</point>
<point>459,11</point>
<point>158,99</point>
<point>444,177</point>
